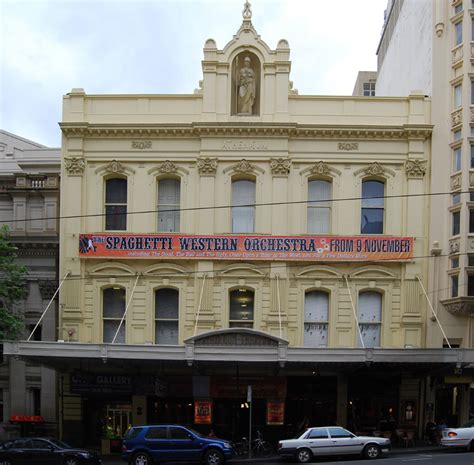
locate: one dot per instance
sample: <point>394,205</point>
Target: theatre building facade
<point>244,235</point>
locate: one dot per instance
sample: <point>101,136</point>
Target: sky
<point>48,47</point>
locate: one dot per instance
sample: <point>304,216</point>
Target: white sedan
<point>331,440</point>
<point>459,437</point>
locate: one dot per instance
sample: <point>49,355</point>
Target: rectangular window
<point>456,198</point>
<point>470,260</point>
<point>116,204</point>
<point>372,213</point>
<point>169,194</point>
<point>472,92</point>
<point>369,89</point>
<point>316,316</point>
<point>457,159</point>
<point>472,28</point>
<point>166,316</point>
<point>243,217</point>
<point>456,225</point>
<point>471,196</point>
<point>472,156</point>
<point>458,8</point>
<point>241,308</point>
<point>113,310</point>
<point>454,285</point>
<point>457,134</point>
<point>37,334</point>
<point>470,284</point>
<point>458,33</point>
<point>36,401</point>
<point>370,318</point>
<point>471,220</point>
<point>457,96</point>
<point>455,262</point>
<point>319,212</point>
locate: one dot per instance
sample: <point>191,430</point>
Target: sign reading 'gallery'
<point>228,247</point>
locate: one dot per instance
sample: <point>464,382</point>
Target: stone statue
<point>246,94</point>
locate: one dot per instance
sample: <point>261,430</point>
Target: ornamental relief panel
<point>457,54</point>
<point>244,166</point>
<point>280,166</point>
<point>375,169</point>
<point>115,167</point>
<point>207,166</point>
<point>415,168</point>
<point>454,247</point>
<point>456,181</point>
<point>75,166</point>
<point>456,117</point>
<point>167,167</point>
<point>321,168</point>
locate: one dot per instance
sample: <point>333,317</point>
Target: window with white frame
<point>457,159</point>
<point>112,314</point>
<point>373,206</point>
<point>454,285</point>
<point>458,33</point>
<point>169,200</point>
<point>243,206</point>
<point>368,89</point>
<point>116,204</point>
<point>319,206</point>
<point>316,318</point>
<point>166,316</point>
<point>457,97</point>
<point>456,223</point>
<point>370,318</point>
<point>241,308</point>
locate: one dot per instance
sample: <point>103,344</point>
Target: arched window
<point>372,212</point>
<point>319,206</point>
<point>169,202</point>
<point>166,316</point>
<point>243,218</point>
<point>113,309</point>
<point>241,308</point>
<point>370,318</point>
<point>316,317</point>
<point>116,204</point>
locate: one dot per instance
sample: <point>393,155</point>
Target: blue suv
<point>146,445</point>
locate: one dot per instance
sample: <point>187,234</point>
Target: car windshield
<point>300,433</point>
<point>60,444</point>
<point>196,433</point>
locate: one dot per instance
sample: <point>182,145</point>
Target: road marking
<point>417,459</point>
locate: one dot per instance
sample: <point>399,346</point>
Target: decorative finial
<point>247,12</point>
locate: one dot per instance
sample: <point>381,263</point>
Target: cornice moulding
<point>287,130</point>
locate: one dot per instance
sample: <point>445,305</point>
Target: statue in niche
<point>246,89</point>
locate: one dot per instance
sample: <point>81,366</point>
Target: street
<point>441,457</point>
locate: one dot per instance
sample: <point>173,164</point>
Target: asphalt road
<point>443,457</point>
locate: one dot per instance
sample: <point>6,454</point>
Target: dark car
<point>42,451</point>
<point>145,445</point>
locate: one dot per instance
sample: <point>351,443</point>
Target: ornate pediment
<point>375,169</point>
<point>321,168</point>
<point>168,167</point>
<point>115,167</point>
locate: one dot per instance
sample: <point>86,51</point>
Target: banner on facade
<point>203,412</point>
<point>90,383</point>
<point>228,247</point>
<point>275,412</point>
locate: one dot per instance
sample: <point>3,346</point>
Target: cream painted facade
<point>441,67</point>
<point>207,142</point>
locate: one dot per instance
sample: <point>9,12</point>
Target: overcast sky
<point>48,47</point>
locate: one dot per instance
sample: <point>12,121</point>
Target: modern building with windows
<point>244,235</point>
<point>440,66</point>
<point>29,206</point>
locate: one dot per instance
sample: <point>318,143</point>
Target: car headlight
<point>86,455</point>
<point>227,445</point>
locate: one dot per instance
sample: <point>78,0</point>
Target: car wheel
<point>470,447</point>
<point>372,451</point>
<point>142,458</point>
<point>304,456</point>
<point>71,461</point>
<point>213,457</point>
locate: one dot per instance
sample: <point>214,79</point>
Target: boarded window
<point>243,217</point>
<point>169,199</point>
<point>166,316</point>
<point>316,317</point>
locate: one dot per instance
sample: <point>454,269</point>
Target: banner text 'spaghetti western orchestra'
<point>243,247</point>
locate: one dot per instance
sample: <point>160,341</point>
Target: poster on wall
<point>202,412</point>
<point>241,247</point>
<point>275,412</point>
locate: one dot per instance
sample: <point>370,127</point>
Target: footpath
<point>421,449</point>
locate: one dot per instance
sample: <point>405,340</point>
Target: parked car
<point>331,440</point>
<point>145,445</point>
<point>45,451</point>
<point>459,437</point>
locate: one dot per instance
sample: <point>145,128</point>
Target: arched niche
<point>246,89</point>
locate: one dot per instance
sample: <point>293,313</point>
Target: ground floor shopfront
<point>105,388</point>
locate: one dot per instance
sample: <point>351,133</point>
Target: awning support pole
<point>126,309</point>
<point>433,311</point>
<point>47,307</point>
<point>355,313</point>
<point>279,304</point>
<point>200,303</point>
